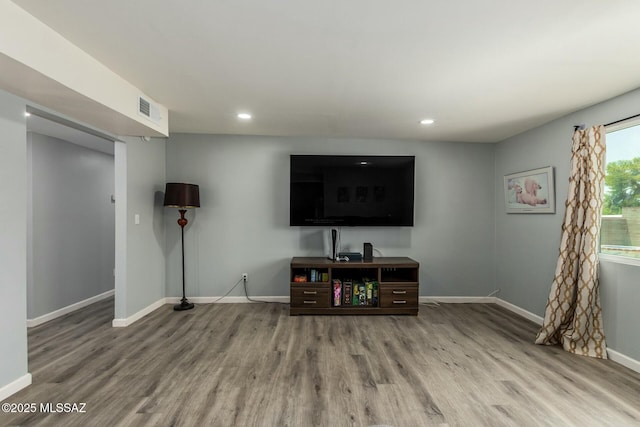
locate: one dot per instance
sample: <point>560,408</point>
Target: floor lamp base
<point>184,305</point>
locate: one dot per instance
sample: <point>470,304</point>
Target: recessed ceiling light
<point>364,163</point>
<point>427,122</point>
<point>244,116</point>
<point>27,114</point>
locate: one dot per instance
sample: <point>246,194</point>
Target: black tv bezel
<point>356,223</point>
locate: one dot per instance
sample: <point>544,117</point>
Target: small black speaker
<point>367,253</point>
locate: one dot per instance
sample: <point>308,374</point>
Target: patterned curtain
<point>573,316</point>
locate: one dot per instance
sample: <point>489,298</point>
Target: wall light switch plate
<point>136,219</point>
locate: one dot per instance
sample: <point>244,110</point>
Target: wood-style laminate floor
<point>254,365</point>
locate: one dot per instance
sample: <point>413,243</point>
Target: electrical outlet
<point>245,277</point>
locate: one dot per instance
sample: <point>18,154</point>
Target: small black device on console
<point>367,252</point>
<point>349,256</point>
<point>334,243</point>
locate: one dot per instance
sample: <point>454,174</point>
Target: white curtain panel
<point>573,315</point>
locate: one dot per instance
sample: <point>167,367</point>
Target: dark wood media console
<point>394,285</point>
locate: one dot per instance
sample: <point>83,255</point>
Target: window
<point>620,233</point>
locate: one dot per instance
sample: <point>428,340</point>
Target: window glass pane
<point>620,234</point>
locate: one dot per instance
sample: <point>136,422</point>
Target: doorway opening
<point>71,217</point>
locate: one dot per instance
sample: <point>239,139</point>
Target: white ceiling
<point>484,70</point>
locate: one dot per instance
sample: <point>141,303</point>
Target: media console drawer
<point>397,296</point>
<point>310,297</point>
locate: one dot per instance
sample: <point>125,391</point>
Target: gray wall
<point>13,241</point>
<point>527,245</point>
<point>145,260</point>
<point>243,224</point>
<point>72,224</point>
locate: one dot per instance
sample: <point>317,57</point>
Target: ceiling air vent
<point>148,109</point>
<point>144,107</point>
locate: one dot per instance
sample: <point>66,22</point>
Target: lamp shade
<point>180,195</point>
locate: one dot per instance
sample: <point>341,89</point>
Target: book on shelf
<point>375,293</point>
<point>346,291</point>
<point>372,292</point>
<point>355,293</point>
<point>337,292</point>
<point>363,294</point>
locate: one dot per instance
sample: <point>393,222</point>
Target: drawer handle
<point>400,301</point>
<point>310,302</point>
<point>399,292</point>
<point>310,292</point>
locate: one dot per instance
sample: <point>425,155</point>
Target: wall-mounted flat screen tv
<point>351,190</point>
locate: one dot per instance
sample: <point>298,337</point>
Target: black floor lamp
<point>183,197</point>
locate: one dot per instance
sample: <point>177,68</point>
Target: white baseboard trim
<point>484,300</point>
<point>229,300</point>
<point>521,311</point>
<point>615,356</point>
<point>15,386</point>
<point>68,309</point>
<point>457,300</point>
<point>626,361</point>
<point>122,323</point>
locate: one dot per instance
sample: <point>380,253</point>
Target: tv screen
<point>352,190</point>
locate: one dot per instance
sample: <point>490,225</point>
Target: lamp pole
<point>184,302</point>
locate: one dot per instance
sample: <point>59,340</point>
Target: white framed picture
<point>530,191</point>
